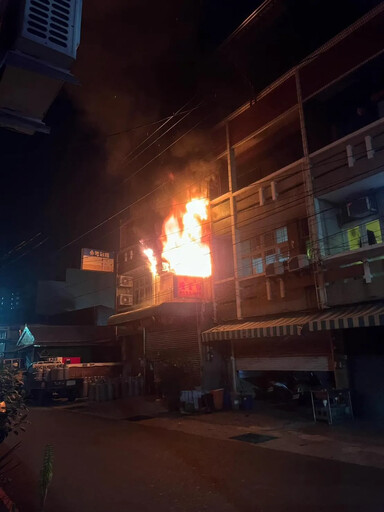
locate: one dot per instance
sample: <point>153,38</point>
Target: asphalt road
<point>107,465</point>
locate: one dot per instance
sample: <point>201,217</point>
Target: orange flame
<point>151,259</point>
<point>184,252</point>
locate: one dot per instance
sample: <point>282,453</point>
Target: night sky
<point>138,61</point>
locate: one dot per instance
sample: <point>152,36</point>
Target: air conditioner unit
<point>125,282</point>
<point>298,262</point>
<point>360,208</point>
<point>274,269</point>
<point>125,299</point>
<point>50,30</point>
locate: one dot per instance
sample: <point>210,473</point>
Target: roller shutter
<point>179,347</point>
<point>294,353</point>
<point>313,364</point>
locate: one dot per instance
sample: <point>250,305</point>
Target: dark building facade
<point>296,236</point>
<point>297,241</point>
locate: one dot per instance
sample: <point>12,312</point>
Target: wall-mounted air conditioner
<point>298,262</point>
<point>360,208</point>
<point>125,281</point>
<point>274,269</point>
<point>50,30</point>
<point>125,299</point>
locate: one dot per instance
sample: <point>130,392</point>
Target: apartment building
<point>297,225</point>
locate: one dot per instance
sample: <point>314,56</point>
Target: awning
<point>173,309</point>
<point>363,315</point>
<point>281,326</point>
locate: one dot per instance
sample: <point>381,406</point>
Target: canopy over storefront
<point>363,315</point>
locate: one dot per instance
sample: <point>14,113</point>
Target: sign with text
<point>187,287</point>
<point>99,261</point>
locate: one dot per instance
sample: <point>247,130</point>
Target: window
<point>346,106</point>
<point>262,250</point>
<point>142,289</point>
<point>258,265</point>
<point>364,234</point>
<point>222,253</point>
<point>282,235</point>
<point>272,149</point>
<point>3,334</point>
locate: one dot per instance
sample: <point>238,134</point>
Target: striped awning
<point>368,315</point>
<point>281,326</point>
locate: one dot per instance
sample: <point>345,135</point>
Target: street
<point>103,464</point>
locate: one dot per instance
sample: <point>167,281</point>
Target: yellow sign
<point>99,261</point>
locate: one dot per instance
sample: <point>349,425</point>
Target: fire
<point>184,251</point>
<point>152,260</point>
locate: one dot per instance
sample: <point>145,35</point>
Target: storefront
<point>161,337</point>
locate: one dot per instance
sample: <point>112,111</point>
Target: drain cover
<point>141,417</point>
<point>254,438</point>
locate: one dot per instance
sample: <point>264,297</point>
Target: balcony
<point>351,220</point>
<point>351,235</point>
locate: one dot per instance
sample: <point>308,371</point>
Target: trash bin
<point>218,398</point>
<point>247,402</point>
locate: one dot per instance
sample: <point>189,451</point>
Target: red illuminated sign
<point>187,287</point>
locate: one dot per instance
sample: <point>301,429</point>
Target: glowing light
<point>151,259</point>
<point>184,251</point>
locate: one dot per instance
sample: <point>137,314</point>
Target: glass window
<point>346,106</point>
<point>272,149</point>
<point>364,234</point>
<point>270,257</point>
<point>374,232</point>
<point>245,267</point>
<point>258,265</point>
<point>354,238</point>
<point>281,235</point>
<point>269,239</point>
<point>142,289</point>
<point>262,250</point>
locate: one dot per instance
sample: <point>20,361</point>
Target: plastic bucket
<point>218,398</point>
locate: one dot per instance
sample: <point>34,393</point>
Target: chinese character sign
<point>99,261</point>
<point>187,287</point>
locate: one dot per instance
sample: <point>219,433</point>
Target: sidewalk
<point>355,442</point>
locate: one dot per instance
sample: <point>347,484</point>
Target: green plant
<point>13,411</point>
<point>46,474</point>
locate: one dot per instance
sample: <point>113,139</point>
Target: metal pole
<point>233,367</point>
<point>321,293</point>
<point>198,328</point>
<point>145,361</point>
<point>232,187</point>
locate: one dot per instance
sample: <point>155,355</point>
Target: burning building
<point>282,275</point>
<point>164,292</point>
